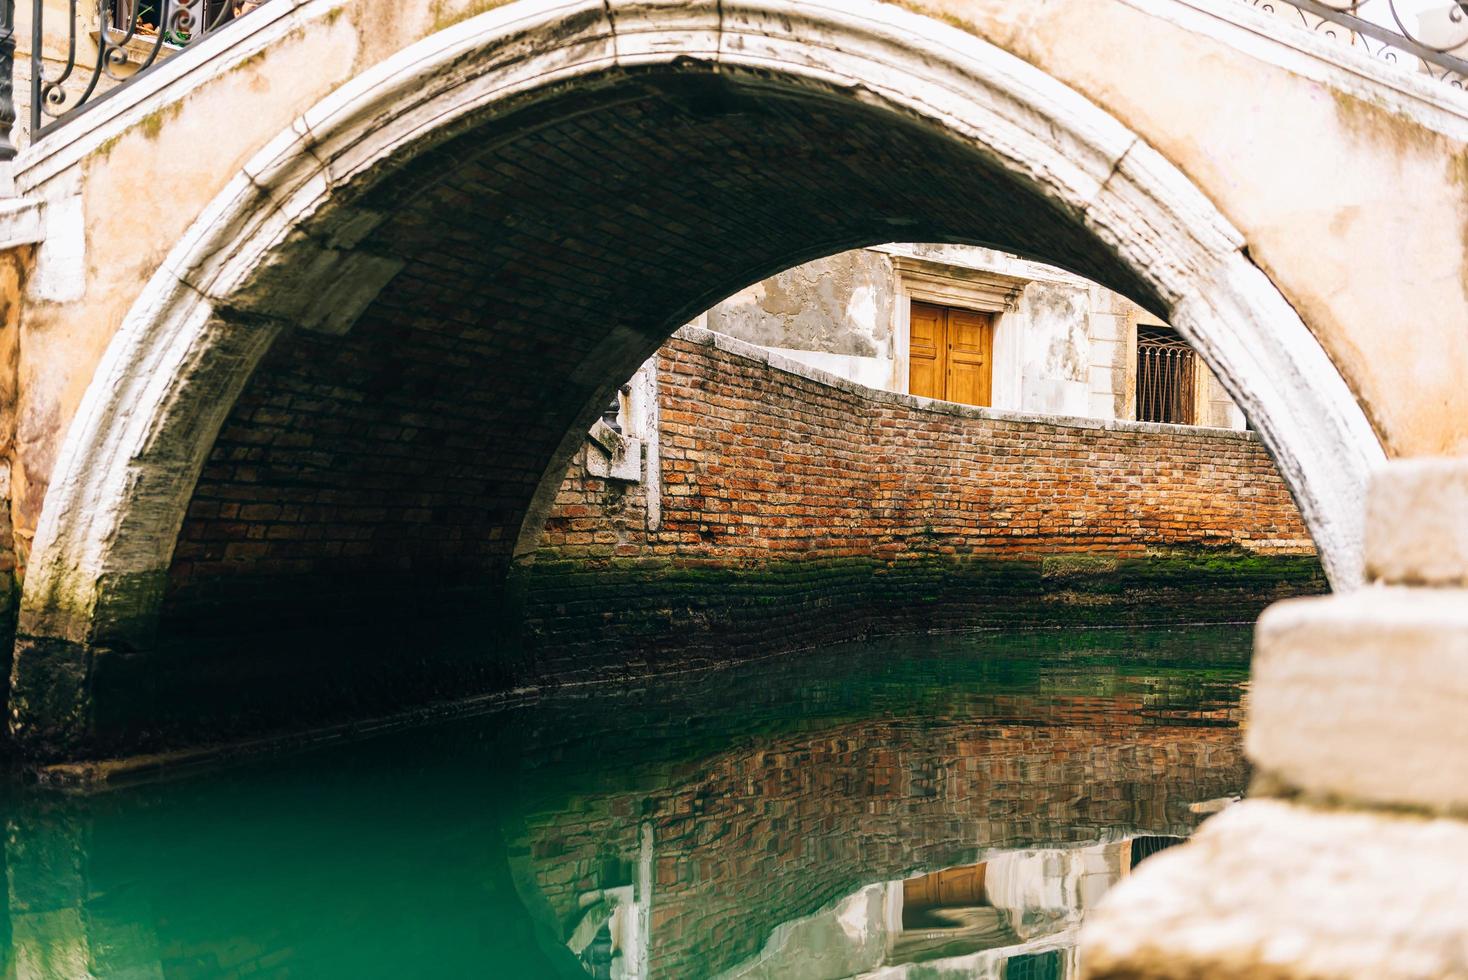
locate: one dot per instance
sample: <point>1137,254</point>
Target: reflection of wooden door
<point>950,888</point>
<point>951,354</point>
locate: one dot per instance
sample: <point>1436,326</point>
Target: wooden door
<point>970,346</point>
<point>951,354</point>
<point>925,357</point>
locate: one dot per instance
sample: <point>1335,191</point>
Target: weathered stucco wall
<point>842,305</point>
<point>1055,347</point>
<point>798,509</point>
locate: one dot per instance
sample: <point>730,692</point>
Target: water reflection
<point>1016,915</point>
<point>957,801</point>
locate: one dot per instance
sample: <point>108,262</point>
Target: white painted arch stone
<point>165,385</point>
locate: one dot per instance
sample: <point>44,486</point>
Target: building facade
<point>979,327</point>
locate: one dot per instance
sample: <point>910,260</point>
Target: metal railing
<point>129,36</point>
<point>1166,377</point>
<point>1428,36</point>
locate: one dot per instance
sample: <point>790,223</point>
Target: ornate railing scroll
<point>1428,36</point>
<point>129,37</point>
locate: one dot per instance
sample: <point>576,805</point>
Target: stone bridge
<point>305,322</point>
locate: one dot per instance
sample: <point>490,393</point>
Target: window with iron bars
<point>1166,373</point>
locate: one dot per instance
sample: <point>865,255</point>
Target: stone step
<point>1270,890</point>
<point>1362,698</point>
<point>1417,523</point>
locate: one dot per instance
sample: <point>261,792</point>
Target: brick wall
<point>798,508</point>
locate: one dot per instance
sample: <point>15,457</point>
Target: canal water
<point>944,806</point>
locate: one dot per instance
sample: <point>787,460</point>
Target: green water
<point>757,821</point>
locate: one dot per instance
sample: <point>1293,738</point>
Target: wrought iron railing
<point>1428,36</point>
<point>129,37</point>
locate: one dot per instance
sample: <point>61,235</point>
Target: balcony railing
<point>1427,36</point>
<point>98,49</point>
<point>109,43</point>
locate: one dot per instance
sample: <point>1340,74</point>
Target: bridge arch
<point>458,254</point>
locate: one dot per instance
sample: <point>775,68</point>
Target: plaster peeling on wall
<point>840,305</point>
<point>779,298</point>
<point>1055,376</point>
<point>1064,358</point>
<point>1060,313</point>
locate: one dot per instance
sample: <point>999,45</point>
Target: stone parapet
<point>1360,698</point>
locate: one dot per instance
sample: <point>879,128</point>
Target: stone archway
<point>472,241</point>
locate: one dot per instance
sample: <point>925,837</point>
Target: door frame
<point>975,290</point>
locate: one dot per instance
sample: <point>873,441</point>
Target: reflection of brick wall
<point>797,511</point>
<point>757,836</point>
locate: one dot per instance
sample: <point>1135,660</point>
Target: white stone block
<point>1364,697</point>
<point>1417,523</point>
<point>1103,378</point>
<point>645,30</point>
<point>20,218</point>
<point>613,456</point>
<point>1272,891</point>
<point>60,274</point>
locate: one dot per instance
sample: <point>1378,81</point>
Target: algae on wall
<point>583,617</point>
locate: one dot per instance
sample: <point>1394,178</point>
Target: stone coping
<point>751,352</point>
<point>993,262</point>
